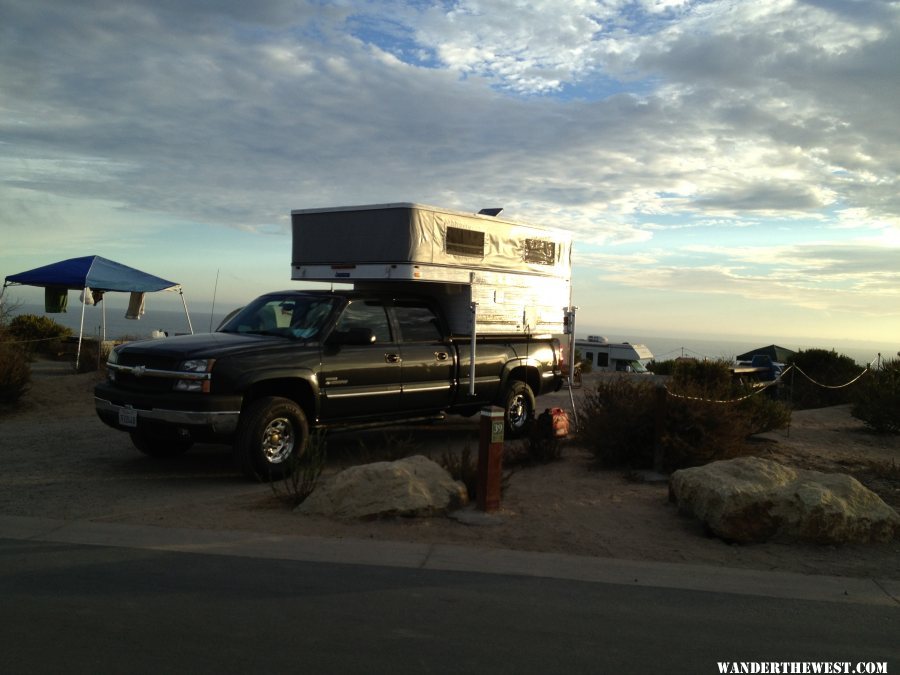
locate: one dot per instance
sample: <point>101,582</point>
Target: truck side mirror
<point>352,336</point>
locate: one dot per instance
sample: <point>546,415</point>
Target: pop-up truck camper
<point>519,275</point>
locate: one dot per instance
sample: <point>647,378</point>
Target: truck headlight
<point>112,359</point>
<point>199,381</point>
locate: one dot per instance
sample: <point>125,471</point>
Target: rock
<point>415,486</point>
<point>751,500</point>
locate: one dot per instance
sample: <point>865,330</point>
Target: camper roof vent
<point>490,212</point>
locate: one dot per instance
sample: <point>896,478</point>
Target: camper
<point>622,357</point>
<point>491,276</point>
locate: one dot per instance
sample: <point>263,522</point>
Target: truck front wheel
<point>272,430</point>
<point>518,409</point>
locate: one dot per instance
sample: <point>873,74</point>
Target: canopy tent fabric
<point>96,273</point>
<point>774,352</point>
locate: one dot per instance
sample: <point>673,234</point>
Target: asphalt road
<point>239,603</point>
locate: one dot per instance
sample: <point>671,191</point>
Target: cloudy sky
<point>727,167</point>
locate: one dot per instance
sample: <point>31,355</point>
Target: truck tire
<point>269,434</point>
<point>518,408</point>
<point>154,446</point>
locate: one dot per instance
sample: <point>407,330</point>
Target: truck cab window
<point>299,317</point>
<point>366,314</point>
<point>418,323</point>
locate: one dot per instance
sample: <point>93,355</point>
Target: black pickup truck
<point>296,360</point>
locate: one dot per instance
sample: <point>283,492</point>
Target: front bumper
<point>200,417</point>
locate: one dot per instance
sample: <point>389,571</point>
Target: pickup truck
<point>293,361</point>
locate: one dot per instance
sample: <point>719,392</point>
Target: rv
<point>622,357</point>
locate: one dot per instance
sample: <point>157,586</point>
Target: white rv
<point>622,357</point>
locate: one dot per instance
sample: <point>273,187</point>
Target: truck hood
<point>204,345</point>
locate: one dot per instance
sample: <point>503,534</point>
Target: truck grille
<point>144,383</point>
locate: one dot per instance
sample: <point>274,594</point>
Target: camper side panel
<point>364,236</point>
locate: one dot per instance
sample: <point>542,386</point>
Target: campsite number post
<point>490,459</point>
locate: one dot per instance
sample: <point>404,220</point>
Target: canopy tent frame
<point>94,273</point>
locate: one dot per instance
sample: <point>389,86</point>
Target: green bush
<point>618,425</point>
<point>36,333</point>
<point>876,399</point>
<point>303,471</point>
<point>15,373</point>
<point>661,367</point>
<point>710,379</point>
<point>90,360</point>
<point>696,427</point>
<point>824,368</point>
<point>462,466</point>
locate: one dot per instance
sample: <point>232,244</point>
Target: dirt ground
<point>58,460</point>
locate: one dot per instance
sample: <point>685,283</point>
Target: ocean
<point>170,321</point>
<point>663,347</point>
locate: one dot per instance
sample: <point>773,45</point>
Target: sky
<point>727,168</point>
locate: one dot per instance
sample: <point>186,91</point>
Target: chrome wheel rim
<point>278,440</point>
<point>518,412</point>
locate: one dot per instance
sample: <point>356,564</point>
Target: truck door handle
<point>441,356</point>
<point>392,358</point>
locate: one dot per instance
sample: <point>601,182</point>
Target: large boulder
<point>752,499</point>
<point>415,486</point>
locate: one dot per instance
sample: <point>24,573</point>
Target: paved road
<point>85,597</point>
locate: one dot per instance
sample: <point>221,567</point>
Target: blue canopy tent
<point>94,274</point>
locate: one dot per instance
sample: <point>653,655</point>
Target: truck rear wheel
<point>518,409</point>
<point>272,430</point>
<point>154,446</point>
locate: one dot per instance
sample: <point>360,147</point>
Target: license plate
<point>128,417</point>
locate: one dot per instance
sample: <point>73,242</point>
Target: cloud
<point>630,123</point>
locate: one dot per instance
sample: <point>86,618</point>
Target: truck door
<point>429,361</point>
<point>360,378</point>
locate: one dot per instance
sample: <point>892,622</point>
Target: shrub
<point>706,378</point>
<point>661,367</point>
<point>618,422</point>
<point>540,446</point>
<point>37,332</point>
<point>462,466</point>
<point>304,470</point>
<point>93,356</point>
<point>623,428</point>
<point>15,373</point>
<point>876,399</point>
<point>825,368</point>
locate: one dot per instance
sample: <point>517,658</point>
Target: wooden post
<point>490,459</point>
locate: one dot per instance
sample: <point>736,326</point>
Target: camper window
<point>465,242</point>
<point>603,360</point>
<point>540,252</point>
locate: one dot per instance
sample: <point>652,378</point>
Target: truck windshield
<point>291,316</point>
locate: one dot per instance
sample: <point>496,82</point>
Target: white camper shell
<point>622,357</point>
<point>503,277</point>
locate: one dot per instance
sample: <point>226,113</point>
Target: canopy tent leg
<point>80,332</point>
<point>184,302</point>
